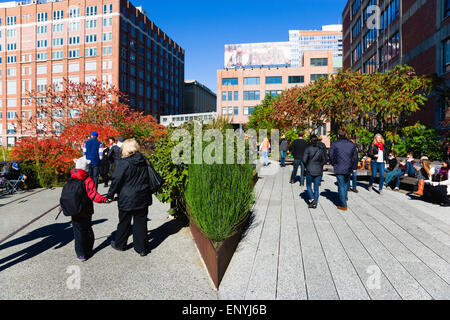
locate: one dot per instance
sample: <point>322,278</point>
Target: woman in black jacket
<point>130,181</point>
<point>314,159</point>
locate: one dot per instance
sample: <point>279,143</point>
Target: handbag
<point>155,179</point>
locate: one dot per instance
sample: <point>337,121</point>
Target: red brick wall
<point>419,26</point>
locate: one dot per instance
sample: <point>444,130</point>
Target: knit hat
<point>94,133</point>
<point>15,166</point>
<point>81,163</point>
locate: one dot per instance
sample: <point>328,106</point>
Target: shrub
<point>219,197</point>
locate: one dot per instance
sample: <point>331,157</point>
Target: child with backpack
<point>76,201</point>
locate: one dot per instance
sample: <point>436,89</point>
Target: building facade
<point>198,98</point>
<point>239,90</point>
<point>82,40</point>
<point>413,32</point>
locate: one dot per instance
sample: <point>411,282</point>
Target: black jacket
<point>130,181</point>
<point>314,159</point>
<point>298,148</point>
<point>284,145</point>
<point>393,164</point>
<point>343,156</point>
<point>373,150</point>
<point>115,153</point>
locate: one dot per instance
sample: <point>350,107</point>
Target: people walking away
<point>265,147</point>
<point>377,152</point>
<point>76,200</point>
<point>344,159</point>
<point>424,176</point>
<point>284,147</point>
<point>105,164</point>
<point>131,182</point>
<point>93,151</point>
<point>354,177</point>
<point>115,153</point>
<point>298,150</point>
<point>314,159</point>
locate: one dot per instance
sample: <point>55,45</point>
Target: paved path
<point>384,247</point>
<point>388,247</point>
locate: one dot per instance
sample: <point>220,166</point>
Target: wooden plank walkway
<point>383,247</point>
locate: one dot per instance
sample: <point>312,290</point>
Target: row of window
<point>59,14</point>
<point>230,111</point>
<point>270,80</point>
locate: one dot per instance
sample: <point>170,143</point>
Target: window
<point>74,67</point>
<point>273,93</point>
<point>367,15</point>
<point>230,81</point>
<point>11,47</point>
<point>107,64</point>
<point>74,53</point>
<point>319,62</point>
<point>57,68</point>
<point>107,36</point>
<point>59,27</point>
<point>230,95</point>
<point>90,38</point>
<point>41,16</point>
<point>11,72</point>
<point>296,79</point>
<point>91,11</point>
<point>224,96</point>
<point>355,6</point>
<point>58,42</point>
<point>107,8</point>
<point>12,114</point>
<point>107,22</point>
<point>91,24</point>
<point>74,26</point>
<point>11,59</point>
<point>11,87</point>
<point>42,43</point>
<point>90,65</point>
<point>370,65</point>
<point>26,71</point>
<point>41,29</point>
<point>356,29</point>
<point>74,12</point>
<point>91,52</point>
<point>369,38</point>
<point>390,49</point>
<point>11,21</point>
<point>41,69</point>
<point>107,51</point>
<point>11,33</point>
<point>57,55</point>
<point>446,47</point>
<point>356,54</point>
<point>314,77</point>
<point>236,95</point>
<point>236,111</point>
<point>274,80</point>
<point>251,81</point>
<point>74,40</point>
<point>252,95</point>
<point>58,14</point>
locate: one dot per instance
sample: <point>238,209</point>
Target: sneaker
<point>370,189</point>
<point>311,204</point>
<point>354,190</point>
<point>380,192</point>
<point>82,258</point>
<point>342,208</point>
<point>113,245</point>
<point>397,189</point>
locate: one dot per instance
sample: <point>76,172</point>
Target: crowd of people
<point>432,185</point>
<point>122,164</point>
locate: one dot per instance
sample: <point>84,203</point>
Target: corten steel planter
<point>217,258</point>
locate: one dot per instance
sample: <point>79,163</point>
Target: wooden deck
<point>383,247</point>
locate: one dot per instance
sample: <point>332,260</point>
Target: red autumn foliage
<point>77,134</point>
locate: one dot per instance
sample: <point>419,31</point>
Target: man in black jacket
<point>344,159</point>
<point>298,149</point>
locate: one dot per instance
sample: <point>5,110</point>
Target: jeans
<point>83,234</point>
<point>140,231</point>
<point>313,195</point>
<point>298,163</point>
<point>391,175</point>
<point>377,167</point>
<point>94,172</point>
<point>343,181</point>
<point>265,156</point>
<point>283,158</point>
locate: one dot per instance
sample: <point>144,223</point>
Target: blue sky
<point>202,28</point>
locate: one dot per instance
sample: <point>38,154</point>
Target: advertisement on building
<point>257,54</point>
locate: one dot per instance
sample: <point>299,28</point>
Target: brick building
<point>413,32</point>
<point>41,43</point>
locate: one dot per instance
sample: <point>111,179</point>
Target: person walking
<point>284,147</point>
<point>93,151</point>
<point>298,149</point>
<point>131,182</point>
<point>344,159</point>
<point>105,164</point>
<point>75,197</point>
<point>265,147</point>
<point>314,159</point>
<point>377,152</point>
<point>115,154</point>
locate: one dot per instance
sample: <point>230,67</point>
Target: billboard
<point>257,54</point>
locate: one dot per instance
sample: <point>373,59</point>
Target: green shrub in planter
<point>219,197</point>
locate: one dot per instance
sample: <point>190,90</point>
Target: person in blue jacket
<point>93,151</point>
<point>344,159</point>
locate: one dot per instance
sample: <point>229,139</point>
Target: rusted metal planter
<point>217,258</point>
